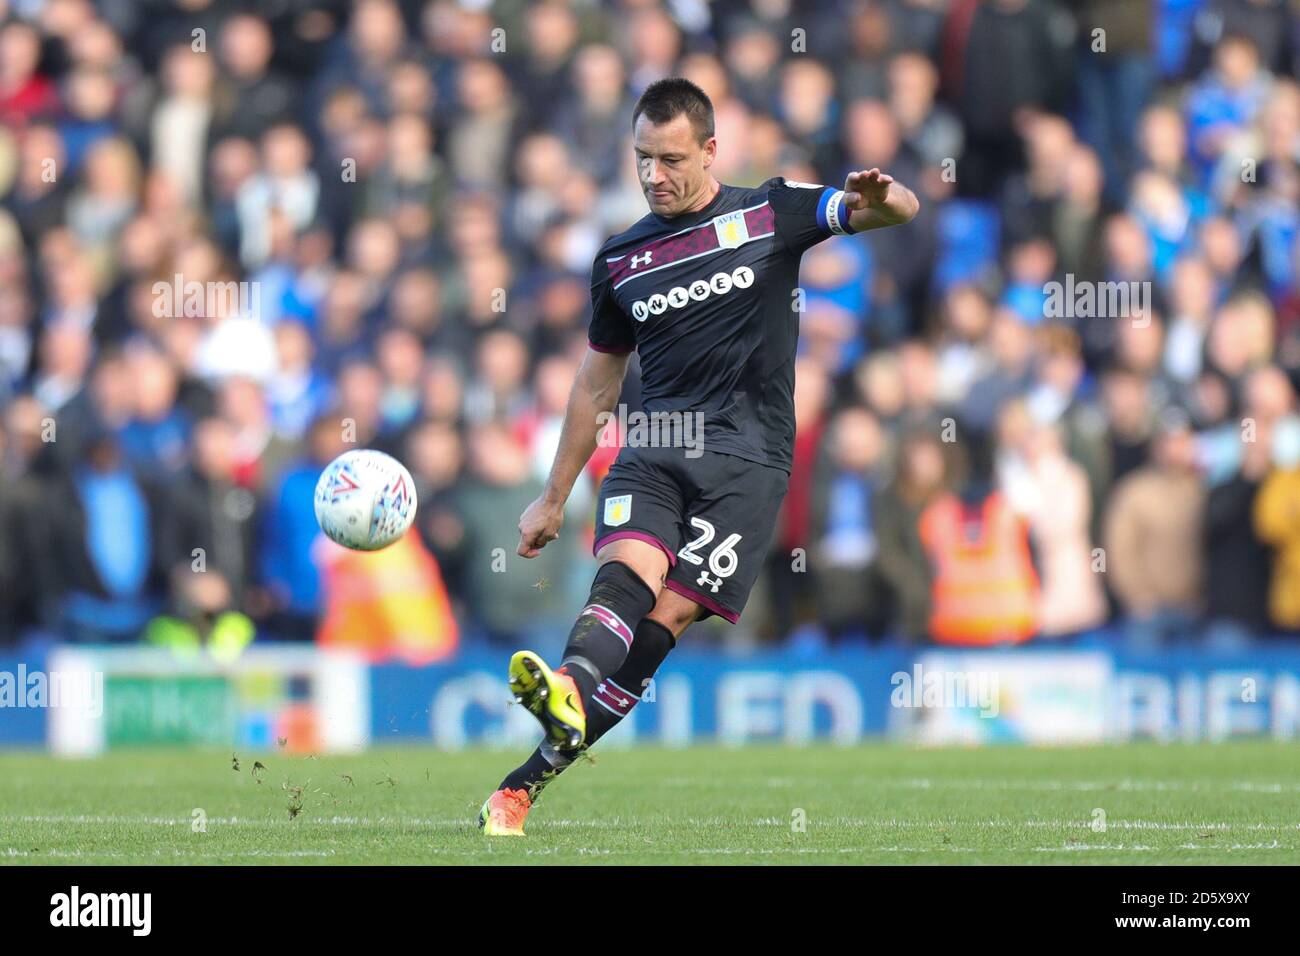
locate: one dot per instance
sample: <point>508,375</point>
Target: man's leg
<point>615,697</point>
<point>624,591</point>
<point>638,534</point>
<point>504,812</point>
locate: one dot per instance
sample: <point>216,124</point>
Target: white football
<point>365,500</point>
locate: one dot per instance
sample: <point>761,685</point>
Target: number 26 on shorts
<point>722,559</point>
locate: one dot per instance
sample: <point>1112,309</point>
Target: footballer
<point>702,289</point>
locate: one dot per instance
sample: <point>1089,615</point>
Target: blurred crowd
<point>405,197</point>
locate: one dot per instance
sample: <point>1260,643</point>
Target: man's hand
<point>874,200</point>
<point>866,189</point>
<point>539,525</point>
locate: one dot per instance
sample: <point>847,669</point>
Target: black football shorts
<point>712,515</point>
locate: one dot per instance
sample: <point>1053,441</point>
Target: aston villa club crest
<point>617,510</point>
<point>732,230</point>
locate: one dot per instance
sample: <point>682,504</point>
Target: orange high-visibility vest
<point>387,603</point>
<point>985,587</point>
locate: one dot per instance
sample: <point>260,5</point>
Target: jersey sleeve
<point>610,329</point>
<point>807,213</point>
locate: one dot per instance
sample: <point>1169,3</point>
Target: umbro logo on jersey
<point>720,283</point>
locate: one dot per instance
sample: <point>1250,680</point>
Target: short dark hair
<point>665,100</point>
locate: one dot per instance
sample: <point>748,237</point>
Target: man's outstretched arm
<point>595,391</point>
<point>876,200</point>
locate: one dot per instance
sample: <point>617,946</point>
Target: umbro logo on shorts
<point>720,283</point>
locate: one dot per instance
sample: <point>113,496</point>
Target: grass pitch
<point>1135,804</point>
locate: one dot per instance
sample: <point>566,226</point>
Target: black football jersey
<point>707,300</point>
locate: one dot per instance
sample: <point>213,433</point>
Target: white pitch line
<point>821,823</point>
<point>161,854</point>
<point>641,851</point>
<point>1137,847</point>
<point>921,783</point>
<point>278,820</point>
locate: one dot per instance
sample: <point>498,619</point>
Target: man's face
<point>672,164</point>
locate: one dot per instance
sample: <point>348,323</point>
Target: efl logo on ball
<point>365,500</point>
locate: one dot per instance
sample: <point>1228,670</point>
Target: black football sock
<point>612,701</point>
<point>615,696</point>
<point>603,634</point>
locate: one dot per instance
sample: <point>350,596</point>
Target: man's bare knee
<point>674,612</point>
<point>645,559</point>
